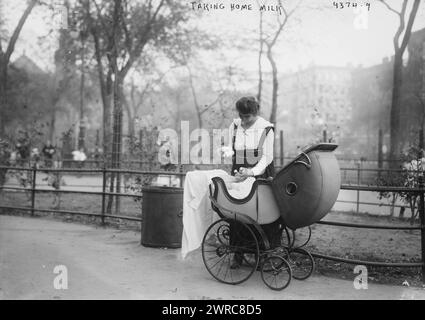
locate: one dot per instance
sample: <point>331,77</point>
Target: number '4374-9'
<point>348,4</point>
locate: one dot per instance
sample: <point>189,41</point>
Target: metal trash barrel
<point>162,212</point>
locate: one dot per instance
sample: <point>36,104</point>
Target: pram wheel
<point>301,237</point>
<point>276,272</point>
<point>224,242</point>
<point>301,262</point>
<point>286,240</point>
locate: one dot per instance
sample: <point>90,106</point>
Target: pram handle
<point>308,165</point>
<point>266,180</point>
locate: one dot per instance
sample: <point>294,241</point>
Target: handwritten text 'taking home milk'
<point>234,6</point>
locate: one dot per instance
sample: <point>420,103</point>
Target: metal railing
<point>33,171</point>
<point>420,190</point>
<point>104,214</point>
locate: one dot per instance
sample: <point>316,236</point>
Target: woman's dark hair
<point>247,105</point>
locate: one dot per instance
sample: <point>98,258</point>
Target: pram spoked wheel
<point>301,262</point>
<point>286,240</point>
<point>276,272</point>
<point>224,240</point>
<point>301,237</point>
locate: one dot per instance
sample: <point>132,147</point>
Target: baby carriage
<point>299,195</point>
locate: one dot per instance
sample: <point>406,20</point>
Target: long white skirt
<point>197,212</point>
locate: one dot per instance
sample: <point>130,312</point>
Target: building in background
<point>24,63</point>
<point>312,100</point>
<point>371,100</point>
<point>352,104</point>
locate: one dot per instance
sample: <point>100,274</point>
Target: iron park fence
<point>34,189</point>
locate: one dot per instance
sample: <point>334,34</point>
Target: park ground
<point>110,263</point>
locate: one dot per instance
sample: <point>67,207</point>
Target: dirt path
<point>111,264</point>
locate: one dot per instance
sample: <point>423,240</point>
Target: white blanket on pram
<point>197,212</point>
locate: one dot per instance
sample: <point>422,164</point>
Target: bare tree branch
<point>17,31</point>
<point>390,8</point>
<point>401,26</point>
<point>128,42</point>
<point>99,16</point>
<point>208,106</point>
<point>409,25</point>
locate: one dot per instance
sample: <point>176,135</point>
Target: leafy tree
<point>407,175</point>
<point>6,148</point>
<point>121,32</point>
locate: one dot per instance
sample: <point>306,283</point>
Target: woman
<point>252,145</point>
<point>251,140</point>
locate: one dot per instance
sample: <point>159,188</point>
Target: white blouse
<point>250,138</point>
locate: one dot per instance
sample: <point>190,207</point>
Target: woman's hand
<point>243,173</point>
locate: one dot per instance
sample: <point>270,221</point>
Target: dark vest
<point>249,158</point>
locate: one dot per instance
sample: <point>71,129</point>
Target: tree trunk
<point>131,130</point>
<point>54,102</point>
<point>105,82</point>
<point>107,116</point>
<point>275,87</point>
<point>260,54</point>
<point>81,133</point>
<point>3,95</point>
<point>112,85</point>
<point>116,141</point>
<point>395,138</point>
<point>52,124</point>
<point>195,98</point>
<point>111,189</point>
<point>117,135</point>
<point>130,122</point>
